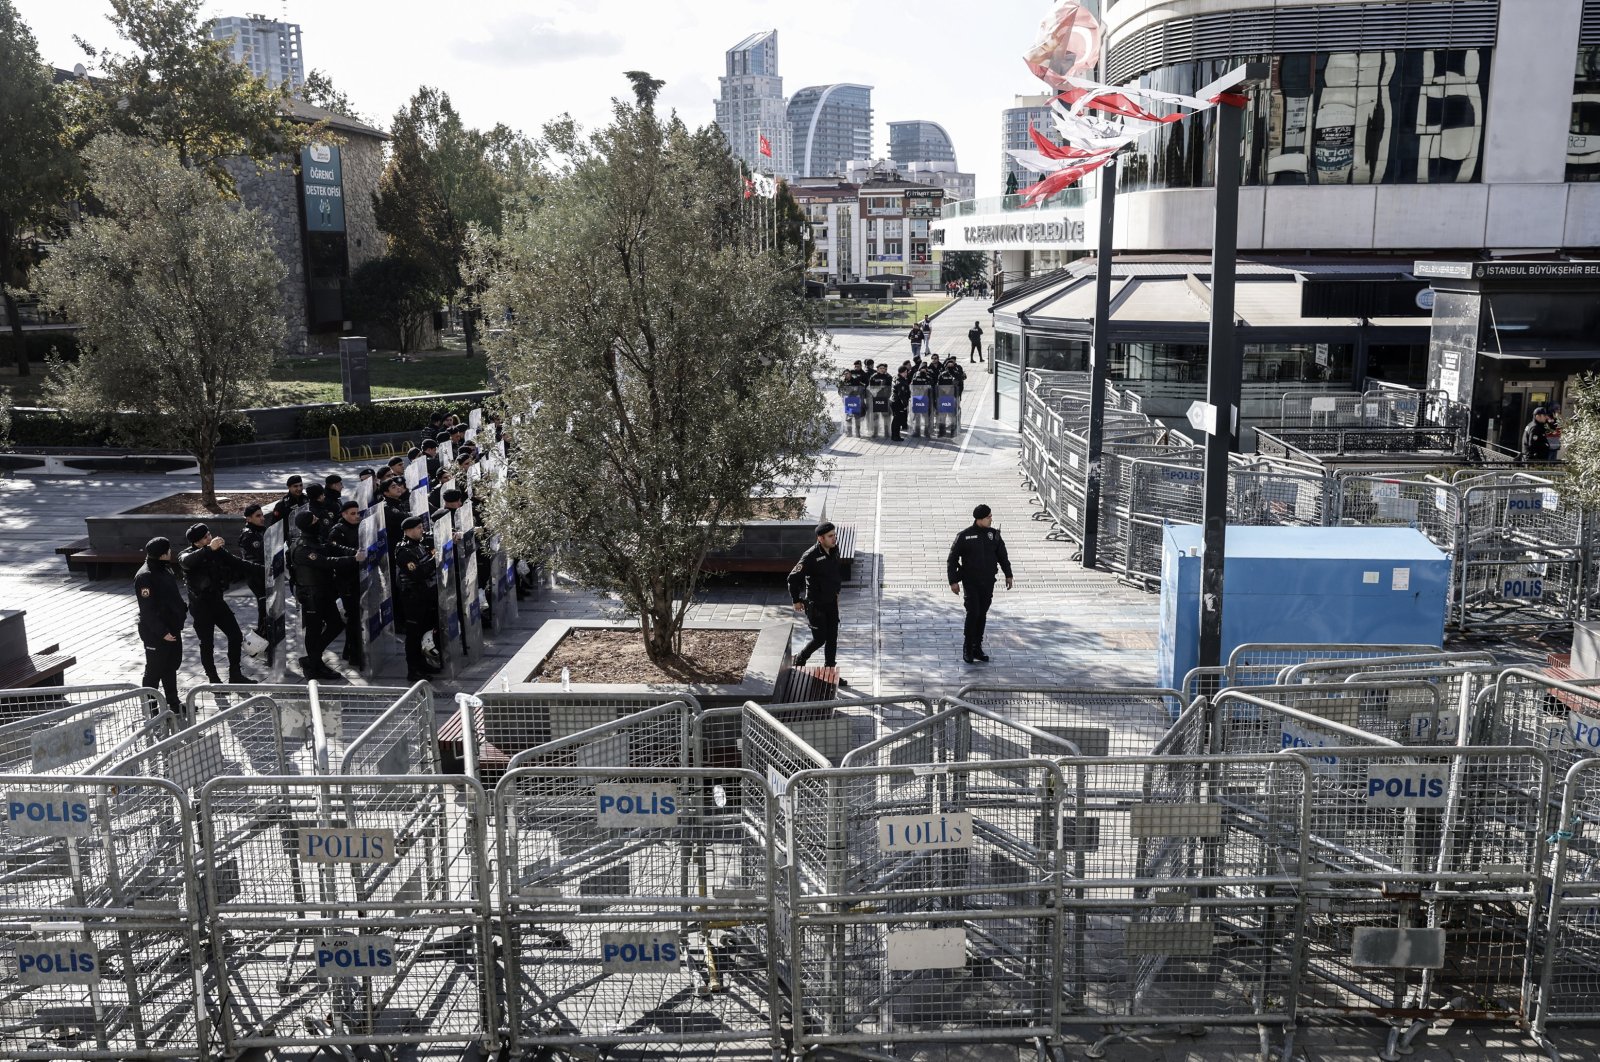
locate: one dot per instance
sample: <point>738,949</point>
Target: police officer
<point>430,451</point>
<point>924,375</point>
<point>880,385</point>
<point>316,563</point>
<point>161,613</point>
<point>899,402</point>
<point>346,532</point>
<point>974,557</point>
<point>814,585</point>
<point>253,548</point>
<point>416,568</point>
<point>333,493</point>
<point>207,569</point>
<point>292,502</point>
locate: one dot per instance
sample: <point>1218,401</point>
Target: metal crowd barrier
<point>320,723</point>
<point>1098,721</point>
<point>348,910</point>
<point>632,905</point>
<point>924,904</point>
<point>80,729</point>
<point>99,917</point>
<point>1569,975</point>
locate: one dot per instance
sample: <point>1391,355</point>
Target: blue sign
<point>321,176</point>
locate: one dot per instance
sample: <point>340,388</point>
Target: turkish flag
<point>1059,180</point>
<point>766,145</point>
<point>1113,103</point>
<point>1052,150</point>
<point>749,188</point>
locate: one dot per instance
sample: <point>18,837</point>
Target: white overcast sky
<point>522,63</point>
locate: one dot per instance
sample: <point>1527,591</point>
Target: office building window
<point>1583,138</point>
<point>1382,117</point>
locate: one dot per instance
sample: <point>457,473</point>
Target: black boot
<point>239,678</point>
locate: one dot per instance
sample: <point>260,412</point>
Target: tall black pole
<point>1222,379</point>
<point>1099,357</point>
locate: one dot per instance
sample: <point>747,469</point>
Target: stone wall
<point>363,167</point>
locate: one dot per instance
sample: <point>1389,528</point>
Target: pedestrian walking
<point>161,615</point>
<point>927,336</point>
<point>975,334</point>
<point>975,555</point>
<point>915,335</point>
<point>1536,436</point>
<point>207,569</point>
<point>814,584</point>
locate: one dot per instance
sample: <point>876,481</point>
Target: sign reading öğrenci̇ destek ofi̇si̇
<point>322,180</point>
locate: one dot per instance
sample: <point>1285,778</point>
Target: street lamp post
<point>1222,374</point>
<point>1099,356</point>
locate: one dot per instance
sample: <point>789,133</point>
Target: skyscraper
<point>752,105</point>
<point>920,142</point>
<point>270,49</point>
<point>830,125</point>
<point>1029,111</point>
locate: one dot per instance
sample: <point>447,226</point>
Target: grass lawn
<point>299,380</point>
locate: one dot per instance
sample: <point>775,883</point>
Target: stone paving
<point>901,627</point>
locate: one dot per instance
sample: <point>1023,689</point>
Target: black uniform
<point>417,593</point>
<point>975,334</point>
<point>815,580</point>
<point>161,613</point>
<point>975,556</point>
<point>207,573</point>
<point>253,548</point>
<point>349,587</point>
<point>899,403</point>
<point>316,567</point>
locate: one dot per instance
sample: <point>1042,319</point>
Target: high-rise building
<point>270,49</point>
<point>1015,121</point>
<point>752,105</point>
<point>920,141</point>
<point>830,125</point>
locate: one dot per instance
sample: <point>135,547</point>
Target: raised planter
<point>127,531</point>
<point>767,661</point>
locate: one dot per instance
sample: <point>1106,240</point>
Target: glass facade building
<point>920,142</point>
<point>751,104</point>
<point>829,125</point>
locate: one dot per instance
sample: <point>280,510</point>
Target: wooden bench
<point>96,564</point>
<point>45,668</point>
<point>799,685</point>
<point>783,565</point>
<point>492,762</point>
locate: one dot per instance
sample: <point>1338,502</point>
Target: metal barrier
<point>1399,712</point>
<point>1521,559</point>
<point>1098,721</point>
<point>1341,670</point>
<point>245,739</point>
<point>653,737</point>
<point>401,739</point>
<point>921,913</point>
<point>627,900</point>
<point>1528,709</point>
<point>1244,724</point>
<point>509,723</point>
<point>348,910</point>
<point>1423,884</point>
<point>98,913</point>
<point>1569,976</point>
<point>19,704</point>
<point>80,733</point>
<point>318,722</point>
<point>1181,890</point>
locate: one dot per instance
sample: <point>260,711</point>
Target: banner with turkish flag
<point>766,145</point>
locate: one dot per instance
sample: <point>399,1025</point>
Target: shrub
<point>380,418</point>
<point>53,428</point>
<point>39,346</point>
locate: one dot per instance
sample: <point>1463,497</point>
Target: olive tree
<point>674,367</point>
<point>1580,442</point>
<point>176,291</point>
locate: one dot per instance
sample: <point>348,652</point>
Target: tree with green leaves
<point>320,91</point>
<point>176,291</point>
<point>1580,442</point>
<point>439,182</point>
<point>180,88</point>
<point>964,265</point>
<point>396,295</point>
<point>674,364</point>
<point>38,168</point>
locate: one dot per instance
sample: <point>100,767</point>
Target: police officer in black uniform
<point>346,532</point>
<point>316,564</point>
<point>416,566</point>
<point>974,557</point>
<point>161,615</point>
<point>253,548</point>
<point>814,585</point>
<point>208,568</point>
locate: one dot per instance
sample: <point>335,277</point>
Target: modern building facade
<point>920,141</point>
<point>1026,112</point>
<point>830,125</point>
<point>752,105</point>
<point>831,207</point>
<point>269,48</point>
<point>1397,153</point>
<point>956,185</point>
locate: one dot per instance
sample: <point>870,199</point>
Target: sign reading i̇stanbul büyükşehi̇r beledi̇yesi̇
<point>322,181</point>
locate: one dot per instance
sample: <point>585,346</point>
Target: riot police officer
<point>253,548</point>
<point>416,566</point>
<point>208,568</point>
<point>975,555</point>
<point>315,565</point>
<point>346,532</point>
<point>161,613</point>
<point>923,380</point>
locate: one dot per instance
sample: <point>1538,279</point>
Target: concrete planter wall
<point>126,532</point>
<point>768,659</point>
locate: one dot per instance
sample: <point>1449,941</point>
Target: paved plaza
<point>901,628</point>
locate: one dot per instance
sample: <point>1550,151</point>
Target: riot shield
<point>377,601</point>
<point>447,637</point>
<point>467,586</point>
<point>276,555</point>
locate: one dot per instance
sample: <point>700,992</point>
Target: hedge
<point>38,345</point>
<point>126,430</point>
<point>380,418</point>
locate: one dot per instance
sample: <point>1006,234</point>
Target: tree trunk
<point>660,629</point>
<point>207,456</point>
<point>466,327</point>
<point>7,241</point>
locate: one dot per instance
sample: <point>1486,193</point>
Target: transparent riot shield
<point>275,630</point>
<point>377,597</point>
<point>447,636</point>
<point>467,585</point>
